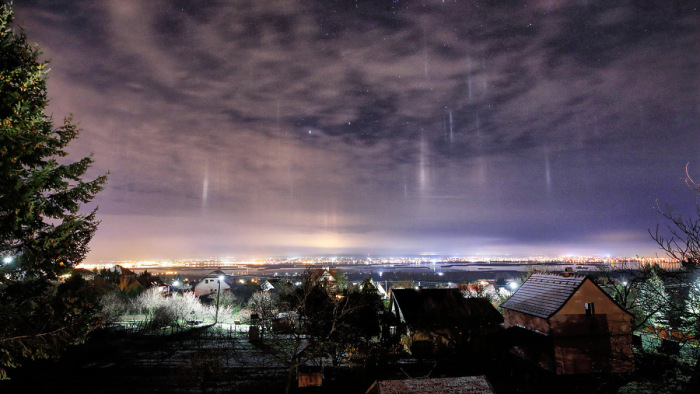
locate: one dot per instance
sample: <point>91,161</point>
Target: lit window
<point>590,309</point>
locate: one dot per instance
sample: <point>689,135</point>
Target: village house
<point>84,273</point>
<point>326,277</point>
<point>566,324</point>
<point>210,284</point>
<point>267,286</point>
<point>437,321</point>
<point>378,286</point>
<point>127,280</point>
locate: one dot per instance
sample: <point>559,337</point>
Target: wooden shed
<point>437,320</point>
<point>580,328</point>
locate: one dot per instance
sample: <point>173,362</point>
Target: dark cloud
<point>249,127</point>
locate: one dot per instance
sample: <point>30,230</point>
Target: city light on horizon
<point>215,263</point>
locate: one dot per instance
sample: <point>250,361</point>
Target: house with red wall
<point>568,325</point>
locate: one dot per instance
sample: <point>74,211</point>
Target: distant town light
<point>513,285</point>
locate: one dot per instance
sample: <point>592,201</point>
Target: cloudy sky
<point>250,128</point>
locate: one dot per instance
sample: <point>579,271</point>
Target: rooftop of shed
<point>542,295</point>
<point>464,384</point>
<point>443,308</point>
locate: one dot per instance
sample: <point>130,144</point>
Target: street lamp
<point>7,259</point>
<point>218,294</point>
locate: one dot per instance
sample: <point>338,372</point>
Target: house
<point>378,286</point>
<point>122,271</point>
<point>440,320</point>
<point>85,273</point>
<point>381,290</point>
<point>267,286</point>
<point>326,277</point>
<point>568,325</point>
<point>126,279</point>
<point>478,289</point>
<point>464,384</point>
<point>285,322</point>
<point>210,284</point>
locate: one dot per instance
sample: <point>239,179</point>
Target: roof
<point>464,384</point>
<point>216,273</point>
<point>542,295</point>
<point>122,271</point>
<point>442,308</point>
<point>83,272</point>
<point>324,273</point>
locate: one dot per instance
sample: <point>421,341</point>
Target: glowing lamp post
<point>7,259</point>
<point>513,286</point>
<point>218,294</point>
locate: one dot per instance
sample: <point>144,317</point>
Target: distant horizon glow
<point>218,262</point>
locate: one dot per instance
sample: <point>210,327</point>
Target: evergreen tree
<point>653,300</point>
<point>43,234</point>
<point>691,318</point>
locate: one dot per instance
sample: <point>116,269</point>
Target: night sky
<point>251,128</point>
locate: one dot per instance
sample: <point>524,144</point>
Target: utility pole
<point>218,294</point>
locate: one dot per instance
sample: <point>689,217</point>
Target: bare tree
<point>147,302</point>
<point>265,305</point>
<point>113,305</point>
<point>681,241</point>
<point>642,292</point>
<point>312,326</point>
<point>187,307</point>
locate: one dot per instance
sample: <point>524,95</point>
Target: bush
<point>163,316</point>
<point>113,306</point>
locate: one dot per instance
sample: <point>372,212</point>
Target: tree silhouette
<point>43,234</point>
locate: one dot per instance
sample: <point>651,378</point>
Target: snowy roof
<point>542,295</point>
<point>464,384</point>
<point>228,279</point>
<point>216,274</point>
